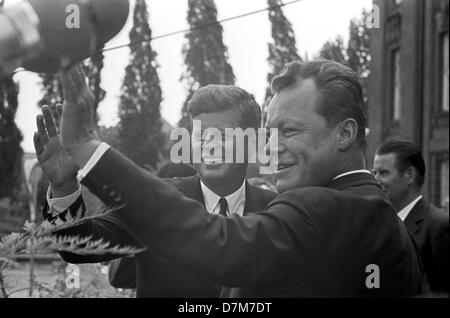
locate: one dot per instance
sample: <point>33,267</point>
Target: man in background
<point>400,169</point>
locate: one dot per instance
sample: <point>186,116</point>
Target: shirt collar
<point>351,172</point>
<point>235,200</point>
<point>403,213</point>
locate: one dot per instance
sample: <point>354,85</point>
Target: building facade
<point>409,84</point>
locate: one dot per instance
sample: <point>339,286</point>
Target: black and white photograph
<point>224,154</point>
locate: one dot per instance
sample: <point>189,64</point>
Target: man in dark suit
<point>331,231</point>
<point>400,169</point>
<point>219,186</point>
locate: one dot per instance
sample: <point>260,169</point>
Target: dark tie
<point>223,210</point>
<point>223,206</point>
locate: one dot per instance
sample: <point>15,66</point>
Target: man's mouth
<point>212,160</point>
<point>285,166</point>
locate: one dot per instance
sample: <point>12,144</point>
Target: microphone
<point>46,35</point>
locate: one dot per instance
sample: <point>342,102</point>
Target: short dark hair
<point>406,155</point>
<point>341,92</point>
<point>217,98</point>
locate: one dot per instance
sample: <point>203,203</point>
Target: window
<point>444,184</point>
<point>396,79</point>
<point>445,84</point>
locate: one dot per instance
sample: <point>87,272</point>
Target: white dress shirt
<point>235,200</point>
<point>403,213</point>
<point>58,205</point>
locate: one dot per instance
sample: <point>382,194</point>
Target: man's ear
<point>411,175</point>
<point>347,132</point>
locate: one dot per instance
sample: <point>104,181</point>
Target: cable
<point>206,25</point>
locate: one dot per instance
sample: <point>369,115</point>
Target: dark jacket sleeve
<point>439,250</point>
<point>255,250</point>
<point>104,226</point>
<point>122,272</point>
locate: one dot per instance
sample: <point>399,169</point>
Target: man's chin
<point>282,186</point>
<point>213,170</point>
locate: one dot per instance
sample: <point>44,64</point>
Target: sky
<point>314,22</point>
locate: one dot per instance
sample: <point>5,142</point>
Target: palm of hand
<point>56,162</point>
<point>77,125</point>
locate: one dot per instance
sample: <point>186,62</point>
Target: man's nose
<point>377,177</point>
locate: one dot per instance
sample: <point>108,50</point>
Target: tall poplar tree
<point>139,110</point>
<point>282,49</point>
<point>205,54</point>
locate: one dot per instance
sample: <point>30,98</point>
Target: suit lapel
<point>192,189</point>
<point>415,217</point>
<point>252,199</point>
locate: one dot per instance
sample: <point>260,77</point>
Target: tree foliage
<point>139,109</point>
<point>356,54</point>
<point>10,138</point>
<point>283,48</point>
<point>334,50</point>
<point>52,89</point>
<point>93,68</point>
<point>205,54</point>
<point>41,238</point>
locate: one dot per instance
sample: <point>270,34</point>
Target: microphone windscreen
<point>72,30</point>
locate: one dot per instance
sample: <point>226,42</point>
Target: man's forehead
<point>293,103</point>
<point>221,119</point>
<point>385,159</point>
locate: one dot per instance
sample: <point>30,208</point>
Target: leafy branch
<point>39,238</point>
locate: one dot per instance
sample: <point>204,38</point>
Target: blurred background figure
<point>400,169</point>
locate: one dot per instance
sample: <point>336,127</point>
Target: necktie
<point>223,206</point>
<point>223,210</point>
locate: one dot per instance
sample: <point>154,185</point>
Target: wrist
<point>65,189</point>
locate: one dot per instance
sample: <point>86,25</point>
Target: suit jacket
<point>430,228</point>
<point>151,274</point>
<point>340,240</point>
<point>161,278</point>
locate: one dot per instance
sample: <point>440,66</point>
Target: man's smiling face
<point>307,147</point>
<point>212,168</point>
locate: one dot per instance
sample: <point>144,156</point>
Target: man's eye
<point>288,132</point>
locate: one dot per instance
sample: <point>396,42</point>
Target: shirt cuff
<point>58,205</point>
<point>101,149</point>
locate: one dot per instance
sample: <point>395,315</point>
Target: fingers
<point>41,130</point>
<point>55,116</point>
<point>40,125</point>
<point>59,110</point>
<point>48,120</point>
<point>38,147</point>
<point>73,82</point>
